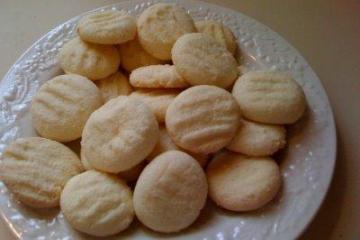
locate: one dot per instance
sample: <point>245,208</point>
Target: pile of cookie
<point>153,99</point>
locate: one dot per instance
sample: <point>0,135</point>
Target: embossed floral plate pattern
<point>306,165</point>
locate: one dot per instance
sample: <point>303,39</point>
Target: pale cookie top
<point>108,27</point>
<point>62,106</point>
<point>256,139</point>
<point>221,33</point>
<point>36,169</point>
<point>160,25</point>
<point>119,135</point>
<point>157,76</point>
<point>166,144</point>
<point>269,97</point>
<point>113,86</point>
<point>97,203</point>
<point>203,119</point>
<point>157,99</point>
<point>202,60</point>
<point>93,61</point>
<point>241,183</point>
<point>134,56</point>
<point>170,192</point>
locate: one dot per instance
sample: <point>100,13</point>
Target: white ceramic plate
<point>306,165</point>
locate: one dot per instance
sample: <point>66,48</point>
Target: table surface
<point>326,33</point>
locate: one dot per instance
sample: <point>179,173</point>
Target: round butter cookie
<point>256,139</point>
<point>241,183</point>
<point>202,60</point>
<point>91,60</point>
<point>157,76</point>
<point>165,144</point>
<point>221,33</point>
<point>269,97</point>
<point>62,106</point>
<point>134,56</point>
<point>157,99</point>
<point>97,203</point>
<point>160,25</point>
<point>203,119</point>
<point>108,27</point>
<point>170,192</point>
<point>119,135</point>
<point>128,175</point>
<point>36,169</point>
<point>113,86</point>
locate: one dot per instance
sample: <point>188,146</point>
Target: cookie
<point>221,33</point>
<point>269,97</point>
<point>134,56</point>
<point>107,27</point>
<point>203,119</point>
<point>97,203</point>
<point>202,60</point>
<point>170,192</point>
<point>84,161</point>
<point>113,86</point>
<point>256,139</point>
<point>93,61</point>
<point>157,99</point>
<point>157,76</point>
<point>160,25</point>
<point>128,175</point>
<point>36,169</point>
<point>241,183</point>
<point>119,135</point>
<point>166,144</point>
<point>62,106</point>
